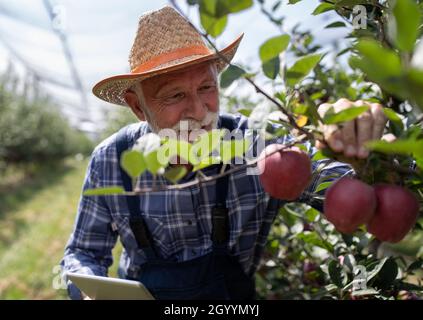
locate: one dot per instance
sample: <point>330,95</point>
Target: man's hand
<point>351,137</point>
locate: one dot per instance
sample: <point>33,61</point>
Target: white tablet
<point>104,288</point>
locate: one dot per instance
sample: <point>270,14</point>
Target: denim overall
<point>216,275</point>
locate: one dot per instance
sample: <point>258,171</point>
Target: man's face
<point>189,95</point>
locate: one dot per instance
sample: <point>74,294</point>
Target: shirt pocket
<point>158,213</point>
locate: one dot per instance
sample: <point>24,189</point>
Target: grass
<point>36,218</point>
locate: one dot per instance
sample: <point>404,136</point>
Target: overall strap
<point>227,121</point>
<point>136,222</point>
<point>220,218</point>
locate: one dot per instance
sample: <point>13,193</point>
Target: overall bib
<point>216,275</point>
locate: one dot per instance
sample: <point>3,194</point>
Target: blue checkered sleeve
<point>89,248</point>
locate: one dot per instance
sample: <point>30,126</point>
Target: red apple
<point>396,213</point>
<point>349,203</point>
<point>285,174</point>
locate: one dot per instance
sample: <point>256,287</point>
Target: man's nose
<point>196,109</point>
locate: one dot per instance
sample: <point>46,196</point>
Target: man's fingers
<point>389,137</point>
<point>333,137</point>
<point>364,133</point>
<point>342,104</point>
<point>347,133</point>
<point>353,135</point>
<point>364,123</point>
<point>323,108</point>
<point>379,120</point>
<point>332,133</point>
<point>349,139</point>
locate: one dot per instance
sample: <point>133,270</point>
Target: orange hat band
<point>170,56</point>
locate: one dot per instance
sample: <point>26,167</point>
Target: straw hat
<point>164,42</point>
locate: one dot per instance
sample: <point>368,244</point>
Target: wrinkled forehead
<point>200,71</point>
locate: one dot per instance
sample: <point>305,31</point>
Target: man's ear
<point>132,101</point>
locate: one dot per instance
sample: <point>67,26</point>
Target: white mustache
<point>191,124</point>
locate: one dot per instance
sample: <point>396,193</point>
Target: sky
<point>100,34</point>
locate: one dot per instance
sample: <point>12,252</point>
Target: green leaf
<point>324,7</point>
<point>152,162</point>
<point>323,186</point>
<point>393,116</point>
<point>373,273</point>
<point>206,162</point>
<point>232,149</point>
<point>220,8</point>
<point>172,148</point>
<point>301,68</point>
<point>271,68</point>
<point>133,163</point>
<point>381,65</point>
<point>293,1</point>
<point>205,145</point>
<point>288,218</point>
<point>407,17</point>
<point>408,286</point>
<point>344,115</point>
<point>300,108</point>
<point>418,264</point>
<point>233,6</point>
<point>231,74</point>
<point>330,288</point>
<point>372,50</point>
<point>311,214</point>
<point>273,47</point>
<point>350,3</point>
<point>397,147</point>
<point>175,174</point>
<point>414,83</point>
<point>296,209</point>
<point>213,26</point>
<point>301,147</point>
<point>337,24</point>
<point>245,112</point>
<point>337,274</point>
<point>104,191</point>
<point>281,96</point>
<point>208,7</point>
<point>366,292</point>
<point>387,273</point>
<point>319,155</point>
<point>313,239</point>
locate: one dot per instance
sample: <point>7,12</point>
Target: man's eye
<point>207,88</point>
<point>176,97</point>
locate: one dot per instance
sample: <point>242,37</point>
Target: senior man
<point>174,241</point>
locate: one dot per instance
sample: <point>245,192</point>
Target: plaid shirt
<point>179,220</point>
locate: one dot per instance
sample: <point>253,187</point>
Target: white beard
<point>188,129</point>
